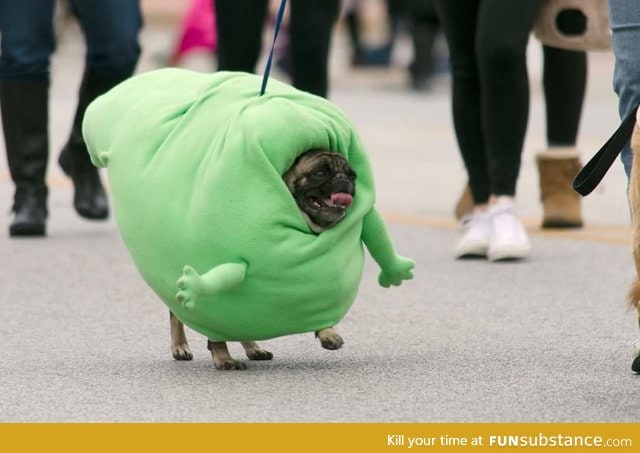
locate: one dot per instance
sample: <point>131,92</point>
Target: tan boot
<point>557,168</point>
<point>464,207</point>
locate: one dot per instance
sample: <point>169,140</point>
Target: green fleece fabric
<point>195,164</point>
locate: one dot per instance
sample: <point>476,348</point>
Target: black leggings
<point>487,41</point>
<point>565,81</point>
<point>240,25</point>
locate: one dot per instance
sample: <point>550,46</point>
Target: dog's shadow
<point>278,366</point>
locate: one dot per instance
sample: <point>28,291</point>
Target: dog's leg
<point>221,357</point>
<point>329,339</point>
<point>634,299</point>
<point>634,201</point>
<point>179,346</point>
<point>255,352</point>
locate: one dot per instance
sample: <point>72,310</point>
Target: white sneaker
<point>475,241</point>
<point>508,239</point>
<point>635,365</point>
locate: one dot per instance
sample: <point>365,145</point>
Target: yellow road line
<point>603,234</point>
<point>591,233</point>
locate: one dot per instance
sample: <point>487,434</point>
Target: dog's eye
<point>320,174</point>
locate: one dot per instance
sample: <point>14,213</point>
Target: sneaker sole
<point>91,214</point>
<point>561,224</point>
<point>472,251</point>
<point>27,230</point>
<point>509,254</point>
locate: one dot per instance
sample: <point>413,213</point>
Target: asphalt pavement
<point>548,339</point>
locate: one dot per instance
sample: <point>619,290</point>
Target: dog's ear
<point>292,178</point>
<point>295,175</point>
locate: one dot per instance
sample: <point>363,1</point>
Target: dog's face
<point>323,185</point>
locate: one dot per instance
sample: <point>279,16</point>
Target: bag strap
<point>592,173</point>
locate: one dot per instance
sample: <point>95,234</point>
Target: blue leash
<point>267,69</point>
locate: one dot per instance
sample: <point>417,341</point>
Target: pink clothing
<point>198,30</point>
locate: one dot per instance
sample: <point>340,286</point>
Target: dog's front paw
<point>401,270</point>
<point>189,286</point>
<point>255,352</point>
<point>229,364</point>
<point>260,354</point>
<point>181,351</point>
<point>329,339</point>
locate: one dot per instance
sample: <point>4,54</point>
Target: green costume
<point>195,164</point>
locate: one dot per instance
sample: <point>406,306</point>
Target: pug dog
<point>323,185</point>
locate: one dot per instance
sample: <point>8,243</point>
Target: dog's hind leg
<point>634,299</point>
<point>634,293</point>
<point>634,201</point>
<point>179,346</point>
<point>634,204</point>
<point>255,352</point>
<point>329,339</point>
<point>221,357</point>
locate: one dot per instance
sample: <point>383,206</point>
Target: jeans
<point>624,18</point>
<point>565,81</point>
<point>110,29</point>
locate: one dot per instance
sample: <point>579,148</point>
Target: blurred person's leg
<point>459,24</point>
<point>564,81</point>
<point>503,32</point>
<point>26,46</point>
<point>458,21</point>
<point>504,29</point>
<point>381,55</point>
<point>111,32</point>
<point>311,27</point>
<point>239,24</point>
<point>352,22</point>
<point>424,30</point>
<point>624,19</point>
<point>497,84</point>
<point>396,12</point>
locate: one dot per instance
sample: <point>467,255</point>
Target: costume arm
<point>394,268</point>
<point>221,278</point>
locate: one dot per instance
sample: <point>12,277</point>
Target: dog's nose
<point>340,176</point>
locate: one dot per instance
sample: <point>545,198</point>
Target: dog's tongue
<point>341,199</point>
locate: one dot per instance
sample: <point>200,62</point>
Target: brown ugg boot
<point>464,206</point>
<point>557,168</point>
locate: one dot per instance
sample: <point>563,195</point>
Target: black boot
<point>25,124</point>
<point>89,199</point>
<point>30,213</point>
<point>353,27</point>
<point>424,29</point>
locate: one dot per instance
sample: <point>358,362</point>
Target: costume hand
<point>189,288</point>
<point>402,269</point>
